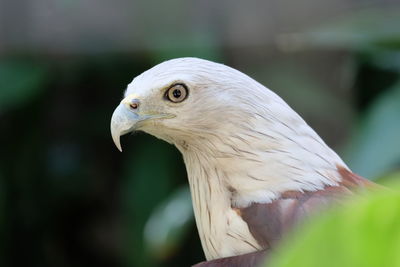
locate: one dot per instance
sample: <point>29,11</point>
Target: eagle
<point>255,167</point>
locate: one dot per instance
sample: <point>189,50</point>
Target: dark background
<point>69,198</point>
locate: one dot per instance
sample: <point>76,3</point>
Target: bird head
<point>221,118</point>
<point>181,99</point>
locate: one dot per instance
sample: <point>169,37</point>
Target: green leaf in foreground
<point>364,233</point>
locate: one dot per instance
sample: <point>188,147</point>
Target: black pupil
<point>177,93</point>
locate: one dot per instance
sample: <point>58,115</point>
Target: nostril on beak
<point>134,104</point>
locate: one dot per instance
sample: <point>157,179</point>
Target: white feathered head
<point>214,113</point>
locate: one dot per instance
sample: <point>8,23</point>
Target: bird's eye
<point>177,93</point>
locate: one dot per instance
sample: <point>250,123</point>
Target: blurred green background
<point>69,198</point>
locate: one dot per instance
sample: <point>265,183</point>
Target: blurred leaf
<point>357,30</point>
<point>364,233</point>
<point>389,179</point>
<point>169,223</point>
<point>20,82</point>
<point>374,148</point>
<point>385,60</point>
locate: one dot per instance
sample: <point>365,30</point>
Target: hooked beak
<point>125,120</point>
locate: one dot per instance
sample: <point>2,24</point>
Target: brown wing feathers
<point>353,181</point>
<point>269,222</point>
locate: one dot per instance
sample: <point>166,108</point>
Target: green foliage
<point>365,233</point>
<point>373,149</point>
<point>169,223</point>
<point>20,82</point>
<point>389,179</point>
<point>366,29</point>
<point>148,179</point>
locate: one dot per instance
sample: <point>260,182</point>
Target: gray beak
<point>123,121</point>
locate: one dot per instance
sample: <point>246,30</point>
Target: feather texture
<point>270,222</point>
<point>254,166</point>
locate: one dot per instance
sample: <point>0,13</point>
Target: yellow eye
<point>177,93</point>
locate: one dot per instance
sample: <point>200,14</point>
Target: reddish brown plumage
<point>268,223</point>
<point>353,181</point>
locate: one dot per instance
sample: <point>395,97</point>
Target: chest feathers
<point>224,180</point>
<point>222,230</point>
